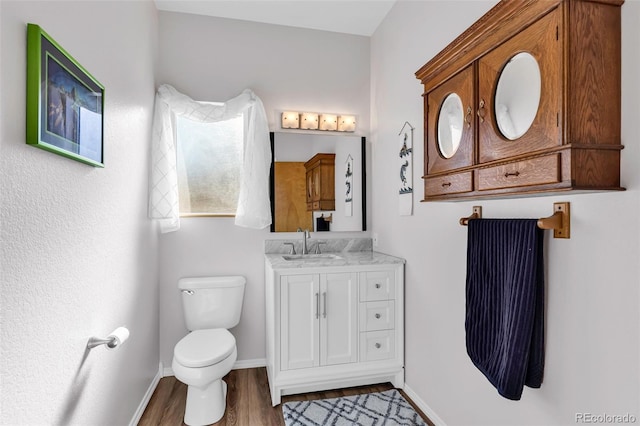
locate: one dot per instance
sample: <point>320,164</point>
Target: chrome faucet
<point>305,235</point>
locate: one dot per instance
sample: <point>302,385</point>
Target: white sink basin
<point>311,257</point>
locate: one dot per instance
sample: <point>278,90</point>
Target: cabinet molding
<point>574,141</point>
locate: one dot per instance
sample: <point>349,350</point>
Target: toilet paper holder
<point>113,341</point>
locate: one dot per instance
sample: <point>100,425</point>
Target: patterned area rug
<point>387,408</point>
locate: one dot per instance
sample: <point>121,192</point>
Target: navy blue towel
<point>505,302</point>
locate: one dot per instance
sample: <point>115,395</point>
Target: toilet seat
<point>202,348</point>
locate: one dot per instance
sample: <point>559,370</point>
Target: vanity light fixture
<point>309,121</point>
<point>317,121</point>
<point>346,123</point>
<point>328,122</point>
<point>290,120</point>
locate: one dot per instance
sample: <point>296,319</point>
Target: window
<point>209,166</point>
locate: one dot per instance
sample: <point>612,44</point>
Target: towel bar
<point>559,221</point>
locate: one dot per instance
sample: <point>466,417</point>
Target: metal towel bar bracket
<point>559,221</point>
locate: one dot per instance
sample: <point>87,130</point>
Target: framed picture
<point>64,102</point>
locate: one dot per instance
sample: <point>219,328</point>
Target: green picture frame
<point>65,103</point>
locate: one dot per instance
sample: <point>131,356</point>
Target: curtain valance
<point>254,209</point>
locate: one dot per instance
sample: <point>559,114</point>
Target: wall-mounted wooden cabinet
<point>321,182</point>
<point>527,100</point>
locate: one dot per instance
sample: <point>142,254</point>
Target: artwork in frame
<point>64,102</point>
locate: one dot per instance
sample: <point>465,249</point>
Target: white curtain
<point>254,210</point>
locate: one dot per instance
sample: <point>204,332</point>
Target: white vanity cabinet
<point>335,324</point>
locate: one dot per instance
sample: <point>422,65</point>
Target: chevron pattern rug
<point>387,408</point>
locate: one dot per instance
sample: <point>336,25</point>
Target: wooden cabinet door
<point>317,183</point>
<point>326,188</point>
<point>462,85</point>
<point>321,182</point>
<point>309,189</point>
<point>339,318</point>
<point>299,321</point>
<point>543,41</point>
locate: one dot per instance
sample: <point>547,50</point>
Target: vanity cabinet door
<point>338,318</point>
<point>542,40</point>
<point>319,320</point>
<point>450,123</point>
<point>299,321</point>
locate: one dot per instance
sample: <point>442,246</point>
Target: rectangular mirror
<point>317,182</point>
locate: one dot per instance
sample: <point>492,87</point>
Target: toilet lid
<point>201,348</point>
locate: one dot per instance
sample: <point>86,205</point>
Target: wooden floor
<point>248,400</point>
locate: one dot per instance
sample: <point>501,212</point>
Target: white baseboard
<point>167,372</point>
<point>147,396</point>
<point>239,365</point>
<point>423,406</point>
<point>250,363</point>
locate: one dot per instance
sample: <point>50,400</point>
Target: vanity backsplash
<point>338,245</point>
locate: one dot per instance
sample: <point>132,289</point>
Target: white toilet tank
<point>212,302</point>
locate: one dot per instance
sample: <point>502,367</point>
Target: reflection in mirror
<point>450,121</point>
<point>304,165</point>
<point>518,95</point>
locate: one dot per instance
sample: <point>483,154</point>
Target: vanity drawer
<point>379,285</point>
<point>449,184</point>
<point>535,171</point>
<point>377,345</point>
<point>377,315</point>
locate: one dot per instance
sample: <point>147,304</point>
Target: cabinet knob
<point>516,174</point>
<point>378,316</point>
<point>378,345</point>
<point>378,285</point>
<point>481,111</point>
<point>467,118</point>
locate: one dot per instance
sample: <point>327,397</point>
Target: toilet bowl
<point>200,360</point>
<point>204,356</point>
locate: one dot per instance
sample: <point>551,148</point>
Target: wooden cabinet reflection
<point>290,199</point>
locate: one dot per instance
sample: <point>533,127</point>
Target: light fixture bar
<point>318,121</point>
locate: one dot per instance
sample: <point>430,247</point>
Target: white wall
<point>78,254</point>
<point>592,322</point>
<point>289,69</point>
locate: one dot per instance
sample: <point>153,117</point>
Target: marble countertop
<point>350,258</point>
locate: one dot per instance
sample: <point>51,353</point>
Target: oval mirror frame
<point>517,96</point>
<point>450,122</point>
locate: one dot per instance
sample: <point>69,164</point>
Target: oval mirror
<point>450,120</point>
<point>517,95</point>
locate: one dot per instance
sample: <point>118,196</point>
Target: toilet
<point>211,306</point>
